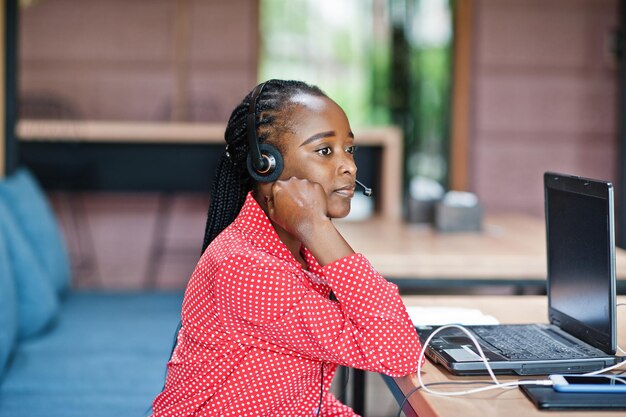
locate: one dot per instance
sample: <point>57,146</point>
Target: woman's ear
<point>265,163</point>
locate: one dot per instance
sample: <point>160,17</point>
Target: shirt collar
<point>256,226</point>
<point>310,260</point>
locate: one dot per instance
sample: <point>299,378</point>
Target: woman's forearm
<point>325,242</point>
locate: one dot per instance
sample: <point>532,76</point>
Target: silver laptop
<point>581,336</point>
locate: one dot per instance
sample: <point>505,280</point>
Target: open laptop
<point>581,336</point>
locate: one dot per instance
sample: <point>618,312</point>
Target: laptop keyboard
<point>526,342</point>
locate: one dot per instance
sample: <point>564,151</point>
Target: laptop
<point>581,335</point>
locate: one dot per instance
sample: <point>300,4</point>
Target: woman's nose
<point>347,165</point>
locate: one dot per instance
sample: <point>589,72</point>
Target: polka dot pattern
<point>257,328</point>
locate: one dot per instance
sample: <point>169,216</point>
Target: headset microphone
<point>367,191</point>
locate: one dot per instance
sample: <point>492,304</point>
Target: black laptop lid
<point>581,258</point>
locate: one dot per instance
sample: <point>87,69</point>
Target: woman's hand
<point>298,206</point>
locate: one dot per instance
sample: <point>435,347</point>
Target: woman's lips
<point>347,191</point>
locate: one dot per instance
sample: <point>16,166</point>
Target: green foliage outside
<point>383,61</point>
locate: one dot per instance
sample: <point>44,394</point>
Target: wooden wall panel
<point>544,97</point>
<point>131,60</point>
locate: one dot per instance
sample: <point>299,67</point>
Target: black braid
<point>232,181</point>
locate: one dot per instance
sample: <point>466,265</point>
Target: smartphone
<point>592,383</point>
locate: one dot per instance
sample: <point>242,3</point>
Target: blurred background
<point>488,94</point>
<point>119,109</point>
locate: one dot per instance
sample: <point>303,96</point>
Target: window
<point>383,61</point>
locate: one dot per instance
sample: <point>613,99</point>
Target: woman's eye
<point>352,149</point>
<point>324,151</point>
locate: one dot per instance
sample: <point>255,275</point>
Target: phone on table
<point>589,383</point>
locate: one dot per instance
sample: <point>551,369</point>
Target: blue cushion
<point>35,217</point>
<point>8,306</point>
<point>106,357</point>
<point>36,298</point>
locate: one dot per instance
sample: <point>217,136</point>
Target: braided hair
<point>232,181</point>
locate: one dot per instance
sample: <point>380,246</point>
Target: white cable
<point>498,384</point>
<point>607,369</point>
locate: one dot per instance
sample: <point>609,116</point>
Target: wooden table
<point>511,250</point>
<point>509,403</point>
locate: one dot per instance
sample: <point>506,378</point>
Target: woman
<point>261,334</point>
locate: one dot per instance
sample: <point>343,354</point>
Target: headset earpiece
<point>264,162</point>
<point>273,164</point>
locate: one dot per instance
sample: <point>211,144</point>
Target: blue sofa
<point>66,353</point>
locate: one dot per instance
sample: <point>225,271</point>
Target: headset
<point>265,162</point>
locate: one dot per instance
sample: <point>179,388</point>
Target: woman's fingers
<point>296,203</point>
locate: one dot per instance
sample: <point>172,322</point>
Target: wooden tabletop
<point>496,403</point>
<point>510,247</point>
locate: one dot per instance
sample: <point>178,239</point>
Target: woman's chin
<point>339,212</point>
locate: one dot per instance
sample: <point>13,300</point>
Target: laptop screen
<point>580,243</point>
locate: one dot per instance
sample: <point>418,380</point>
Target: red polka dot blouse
<point>258,330</point>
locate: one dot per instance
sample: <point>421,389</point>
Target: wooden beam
<point>461,95</point>
<point>99,131</point>
<point>182,44</point>
<point>388,138</point>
